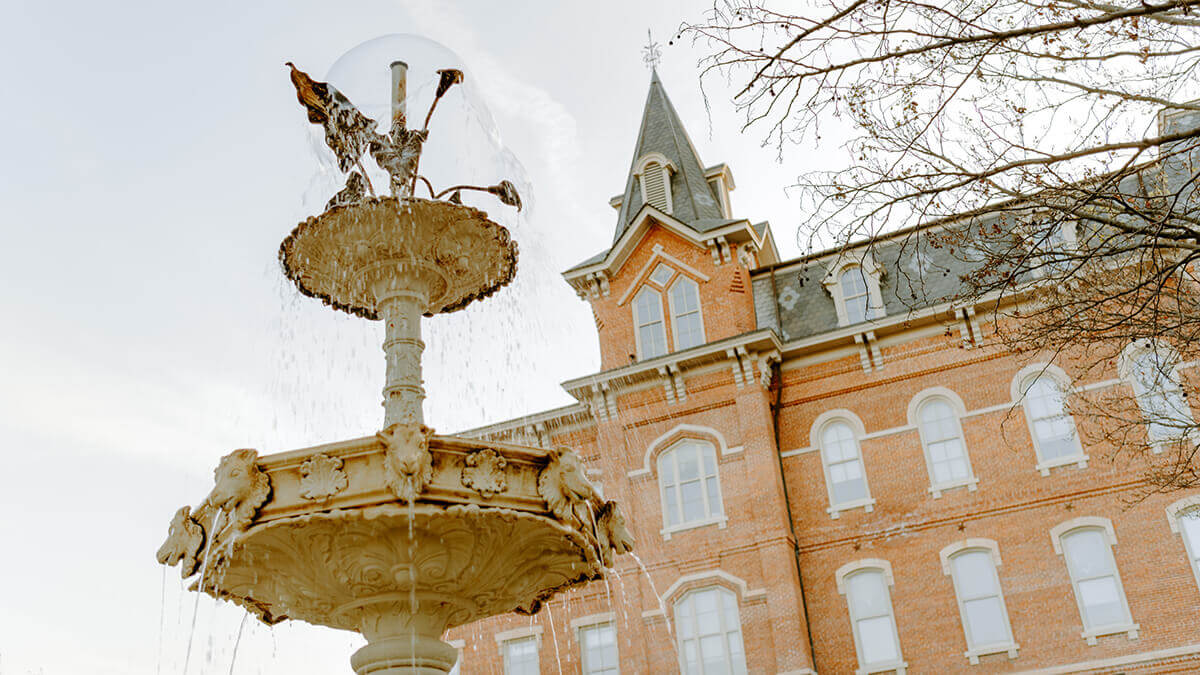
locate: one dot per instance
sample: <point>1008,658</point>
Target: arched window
<point>871,618</point>
<point>691,491</point>
<point>945,451</point>
<point>972,567</point>
<point>685,313</point>
<point>1086,544</point>
<point>710,633</point>
<point>854,294</point>
<point>1152,374</point>
<point>1184,518</point>
<point>1052,428</point>
<point>651,333</point>
<point>844,474</point>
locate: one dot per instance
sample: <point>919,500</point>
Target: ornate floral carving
<point>483,471</point>
<point>407,460</point>
<point>321,477</point>
<point>240,490</point>
<point>568,494</point>
<point>612,535</point>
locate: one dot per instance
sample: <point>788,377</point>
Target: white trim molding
<point>592,620</point>
<point>826,418</point>
<point>864,564</point>
<point>987,544</point>
<point>1018,391</point>
<point>1064,527</point>
<point>676,432</point>
<point>696,581</point>
<point>1175,511</point>
<point>534,631</point>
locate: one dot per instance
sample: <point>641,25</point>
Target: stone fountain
<point>403,534</point>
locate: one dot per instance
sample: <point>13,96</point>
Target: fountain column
<point>403,642</point>
<point>403,394</point>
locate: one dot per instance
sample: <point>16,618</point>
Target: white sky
<point>154,158</point>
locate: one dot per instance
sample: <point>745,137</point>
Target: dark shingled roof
<point>692,199</point>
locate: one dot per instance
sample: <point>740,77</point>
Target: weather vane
<point>652,52</point>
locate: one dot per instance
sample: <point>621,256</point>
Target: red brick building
<point>825,475</point>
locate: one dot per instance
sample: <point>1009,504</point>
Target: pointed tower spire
<point>662,146</point>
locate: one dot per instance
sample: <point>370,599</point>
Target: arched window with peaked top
<point>1086,546</point>
<point>854,284</point>
<point>651,331</point>
<point>1041,389</point>
<point>865,584</point>
<point>709,631</point>
<point>972,565</point>
<point>685,313</point>
<point>937,418</point>
<point>1151,369</point>
<point>1184,518</point>
<point>689,484</point>
<point>845,477</point>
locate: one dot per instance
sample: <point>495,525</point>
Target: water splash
<point>661,605</point>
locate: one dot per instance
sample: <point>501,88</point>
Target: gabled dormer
<point>677,274</point>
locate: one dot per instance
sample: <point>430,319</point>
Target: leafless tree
<point>1052,146</point>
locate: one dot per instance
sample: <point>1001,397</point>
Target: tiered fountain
<point>404,534</point>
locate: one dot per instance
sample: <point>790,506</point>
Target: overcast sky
<point>153,159</point>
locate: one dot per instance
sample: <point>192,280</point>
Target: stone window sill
<point>973,654</point>
<point>1130,629</point>
<point>897,667</point>
<point>719,521</point>
<point>970,483</point>
<point>867,505</point>
<point>1079,460</point>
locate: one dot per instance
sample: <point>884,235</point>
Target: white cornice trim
<point>1104,664</point>
<point>679,432</point>
<point>646,216</point>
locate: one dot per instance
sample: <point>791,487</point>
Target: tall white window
<point>1052,428</point>
<point>1185,519</point>
<point>871,617</point>
<point>843,467</point>
<point>652,334</point>
<point>945,451</point>
<point>855,297</point>
<point>685,313</point>
<point>710,633</point>
<point>1087,549</point>
<point>1151,372</point>
<point>972,567</point>
<point>691,491</point>
<point>598,644</point>
<point>521,657</point>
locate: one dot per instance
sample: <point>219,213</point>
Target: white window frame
<point>1020,385</point>
<point>885,568</point>
<point>990,547</point>
<point>533,633</point>
<point>584,623</point>
<point>1175,511</point>
<point>970,481</point>
<point>835,509</point>
<point>678,279</point>
<point>720,520</point>
<point>871,274</point>
<point>1126,366</point>
<point>1104,526</point>
<point>725,630</point>
<point>667,167</point>
<point>637,327</point>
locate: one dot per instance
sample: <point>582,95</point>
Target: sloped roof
<point>662,132</point>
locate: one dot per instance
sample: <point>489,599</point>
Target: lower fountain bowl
<point>456,564</point>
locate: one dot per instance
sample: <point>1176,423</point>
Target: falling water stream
<point>211,539</point>
<point>237,641</point>
<point>162,617</point>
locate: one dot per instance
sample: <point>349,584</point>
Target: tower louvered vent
<point>655,186</point>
